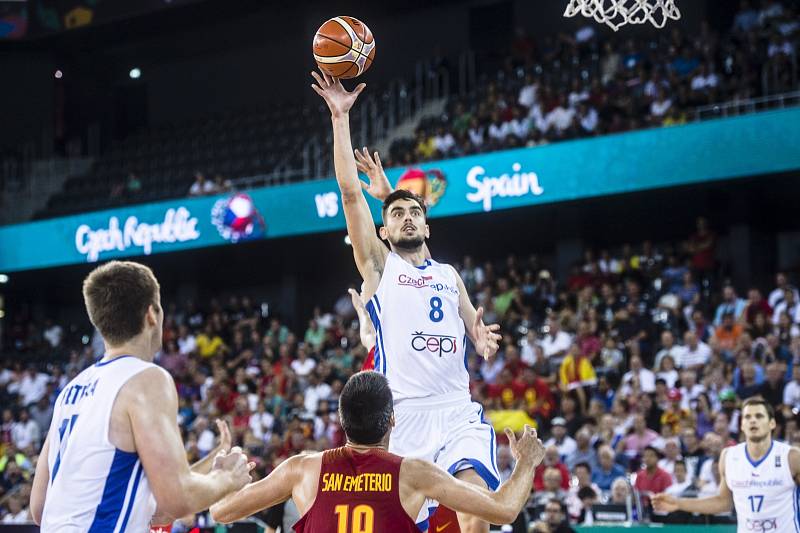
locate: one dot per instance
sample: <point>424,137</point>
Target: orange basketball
<point>344,47</point>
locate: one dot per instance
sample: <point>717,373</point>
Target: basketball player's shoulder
<point>418,472</point>
<point>151,384</point>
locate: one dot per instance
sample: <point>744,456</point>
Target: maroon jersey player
<point>362,488</point>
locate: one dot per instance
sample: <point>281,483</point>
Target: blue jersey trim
<point>485,474</point>
<point>380,351</point>
<point>132,499</point>
<point>756,463</point>
<point>117,480</point>
<point>100,362</point>
<point>424,265</point>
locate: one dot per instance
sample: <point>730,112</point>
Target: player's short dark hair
<point>366,407</point>
<point>402,194</point>
<point>758,400</point>
<point>117,296</point>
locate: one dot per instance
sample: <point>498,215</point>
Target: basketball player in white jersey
<point>422,316</point>
<point>114,453</point>
<point>759,477</point>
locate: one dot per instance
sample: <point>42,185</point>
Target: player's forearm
<point>711,505</point>
<point>513,494</point>
<point>344,162</point>
<point>203,466</point>
<point>200,491</point>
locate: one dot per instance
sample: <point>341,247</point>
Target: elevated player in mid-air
<point>759,477</point>
<point>422,316</point>
<point>360,487</point>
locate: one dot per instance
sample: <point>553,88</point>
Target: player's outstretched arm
<point>501,507</point>
<point>272,490</point>
<point>40,481</point>
<point>485,338</point>
<point>722,502</point>
<point>366,331</point>
<point>151,402</point>
<point>370,253</point>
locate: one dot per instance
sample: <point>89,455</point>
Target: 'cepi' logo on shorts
<point>763,525</point>
<point>434,344</point>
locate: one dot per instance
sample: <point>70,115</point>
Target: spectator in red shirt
<point>651,479</point>
<point>756,304</point>
<point>504,391</point>
<point>241,418</point>
<point>551,460</point>
<point>701,245</point>
<point>536,393</point>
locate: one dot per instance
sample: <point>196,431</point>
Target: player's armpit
<point>272,490</point>
<point>794,464</point>
<point>437,484</point>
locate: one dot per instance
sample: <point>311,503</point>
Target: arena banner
<point>749,145</point>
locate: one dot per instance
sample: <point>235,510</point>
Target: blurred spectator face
<point>553,514</point>
<point>728,294</point>
<point>504,457</point>
<point>712,444</point>
<point>689,438</point>
<point>639,423</point>
<point>606,456</point>
<point>551,455</point>
<point>667,340</point>
<point>583,475</point>
<point>780,279</point>
<point>552,479</point>
<point>679,472</point>
<point>650,459</point>
<point>559,432</point>
<point>583,438</point>
<point>619,491</point>
<point>671,450</point>
<point>636,364</point>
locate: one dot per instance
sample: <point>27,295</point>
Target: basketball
<point>344,47</point>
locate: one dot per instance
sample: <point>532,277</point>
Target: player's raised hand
<point>378,186</point>
<point>529,445</point>
<point>339,100</point>
<point>358,303</point>
<point>487,340</point>
<point>664,503</point>
<point>234,463</point>
<point>224,435</point>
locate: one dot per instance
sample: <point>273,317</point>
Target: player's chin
<point>410,243</point>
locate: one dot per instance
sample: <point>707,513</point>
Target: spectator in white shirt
<point>26,431</point>
<point>560,117</point>
<point>705,79</point>
<point>791,391</point>
<point>315,392</point>
<point>577,95</point>
<point>444,141</point>
<point>528,93</point>
<point>205,437</point>
<point>778,293</point>
<point>790,305</point>
<point>695,353</point>
<point>556,342</point>
<point>690,389</point>
<point>645,377</point>
<point>566,445</point>
<point>17,513</point>
<point>32,386</point>
<point>588,118</point>
<point>668,347</point>
<point>53,334</point>
<point>303,365</point>
<point>660,105</point>
<point>680,479</point>
<point>201,185</point>
<point>476,133</point>
<point>654,84</point>
<point>498,130</point>
<point>520,125</point>
<point>187,343</point>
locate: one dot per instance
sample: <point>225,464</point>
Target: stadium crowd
<point>632,367</point>
<point>585,84</point>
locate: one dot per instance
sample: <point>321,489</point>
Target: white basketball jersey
<point>764,493</point>
<point>94,487</point>
<point>420,346</point>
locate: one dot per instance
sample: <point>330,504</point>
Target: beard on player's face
<point>409,243</point>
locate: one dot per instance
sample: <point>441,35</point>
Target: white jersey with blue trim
<point>420,345</point>
<point>94,487</point>
<point>764,493</point>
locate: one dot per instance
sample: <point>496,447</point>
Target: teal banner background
<point>749,145</point>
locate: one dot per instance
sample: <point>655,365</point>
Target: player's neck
<point>135,348</point>
<point>415,257</point>
<point>364,448</point>
<point>757,450</point>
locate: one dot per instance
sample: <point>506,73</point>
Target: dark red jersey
<point>358,493</point>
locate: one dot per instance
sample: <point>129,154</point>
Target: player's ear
<point>151,317</point>
<point>391,421</point>
<point>427,231</point>
<point>383,233</point>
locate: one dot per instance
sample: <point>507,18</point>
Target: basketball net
<point>617,13</point>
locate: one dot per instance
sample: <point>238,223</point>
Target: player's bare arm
<point>369,252</point>
<point>286,481</point>
<point>721,503</point>
<point>794,464</point>
<point>485,338</point>
<point>365,329</point>
<point>40,480</point>
<point>151,403</point>
<point>499,507</point>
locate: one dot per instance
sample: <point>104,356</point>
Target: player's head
<point>124,303</point>
<point>405,223</point>
<point>758,419</point>
<point>366,409</point>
